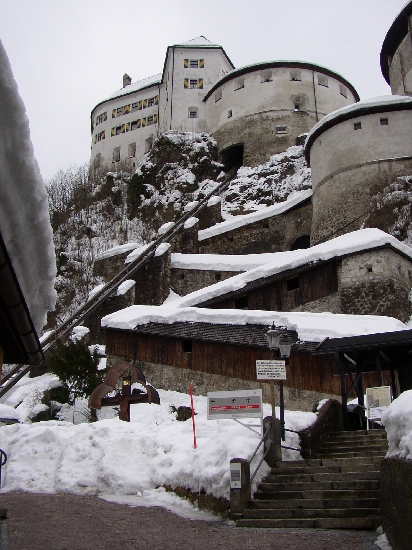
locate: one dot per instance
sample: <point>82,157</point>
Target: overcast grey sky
<point>67,55</point>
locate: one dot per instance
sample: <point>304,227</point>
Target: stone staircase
<point>339,489</point>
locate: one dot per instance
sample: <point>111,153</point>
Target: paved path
<point>70,522</point>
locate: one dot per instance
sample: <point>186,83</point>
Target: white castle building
<point>253,112</point>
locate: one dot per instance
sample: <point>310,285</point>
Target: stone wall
<point>377,282</point>
<point>396,502</point>
<point>153,280</point>
<point>184,281</point>
<point>275,234</point>
<point>109,267</point>
<point>400,67</point>
<point>178,379</point>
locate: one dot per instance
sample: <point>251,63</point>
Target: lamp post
<point>280,345</point>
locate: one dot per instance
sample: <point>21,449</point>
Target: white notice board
<point>234,404</point>
<point>271,370</point>
<point>377,401</point>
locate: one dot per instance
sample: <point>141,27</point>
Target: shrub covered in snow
<point>397,420</point>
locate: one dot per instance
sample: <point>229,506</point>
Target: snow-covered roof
<point>262,65</point>
<point>198,42</point>
<point>221,262</point>
<point>24,210</point>
<point>356,241</point>
<point>154,80</point>
<point>379,104</point>
<point>235,222</point>
<point>312,327</point>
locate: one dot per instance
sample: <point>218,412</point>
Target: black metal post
<point>282,410</point>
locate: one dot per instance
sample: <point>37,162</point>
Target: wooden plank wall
<point>314,283</point>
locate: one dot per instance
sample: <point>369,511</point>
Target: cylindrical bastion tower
<point>259,110</point>
<point>354,153</point>
<point>396,53</point>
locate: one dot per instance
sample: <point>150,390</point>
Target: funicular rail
<point>86,309</point>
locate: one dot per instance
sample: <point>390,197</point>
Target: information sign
<point>271,370</point>
<point>377,400</point>
<point>234,404</point>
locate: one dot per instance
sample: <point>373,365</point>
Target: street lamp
<point>280,344</point>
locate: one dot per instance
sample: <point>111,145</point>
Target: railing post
<point>272,440</point>
<point>239,486</point>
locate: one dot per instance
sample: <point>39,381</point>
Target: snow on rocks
<point>190,223</point>
<point>162,249</point>
<point>397,420</point>
<point>125,287</point>
<point>128,247</point>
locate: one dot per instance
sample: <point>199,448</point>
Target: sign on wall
<point>234,404</point>
<point>271,369</point>
<point>377,400</point>
<point>235,475</point>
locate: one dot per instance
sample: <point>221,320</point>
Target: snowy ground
<point>126,462</point>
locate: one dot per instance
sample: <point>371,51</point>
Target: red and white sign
<point>234,404</point>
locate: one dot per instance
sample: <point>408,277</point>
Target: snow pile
<point>125,287</point>
<point>220,262</point>
<point>313,327</point>
<point>397,420</point>
<point>269,183</point>
<point>24,213</point>
<point>115,457</point>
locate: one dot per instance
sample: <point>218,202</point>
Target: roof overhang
<point>18,337</point>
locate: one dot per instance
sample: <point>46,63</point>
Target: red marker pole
<point>193,418</point>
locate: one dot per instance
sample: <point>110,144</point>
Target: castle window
<point>357,126</point>
<point>116,154</point>
<point>149,120</point>
<point>194,64</point>
<point>97,160</point>
<point>132,149</point>
<point>134,125</point>
<point>148,144</point>
<point>118,130</point>
<point>101,136</point>
<point>281,129</point>
<point>323,80</point>
<point>218,95</point>
<point>101,118</point>
<point>242,302</point>
<point>239,84</point>
<point>187,346</point>
<point>292,284</point>
<point>192,112</point>
<point>295,75</point>
<point>218,276</point>
<point>182,276</point>
<point>192,84</point>
<point>384,122</point>
<point>135,106</point>
<point>229,113</point>
<point>119,111</point>
<point>343,90</point>
<point>150,101</point>
<point>266,77</point>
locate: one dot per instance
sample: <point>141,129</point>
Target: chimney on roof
<point>126,80</point>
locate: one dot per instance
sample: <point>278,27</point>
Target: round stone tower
<point>396,53</point>
<point>354,153</point>
<point>260,110</point>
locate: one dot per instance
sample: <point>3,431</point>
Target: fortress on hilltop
<point>360,155</point>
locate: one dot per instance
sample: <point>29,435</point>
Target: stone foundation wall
<point>178,379</point>
<point>275,234</point>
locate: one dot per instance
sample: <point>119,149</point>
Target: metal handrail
<point>255,453</point>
